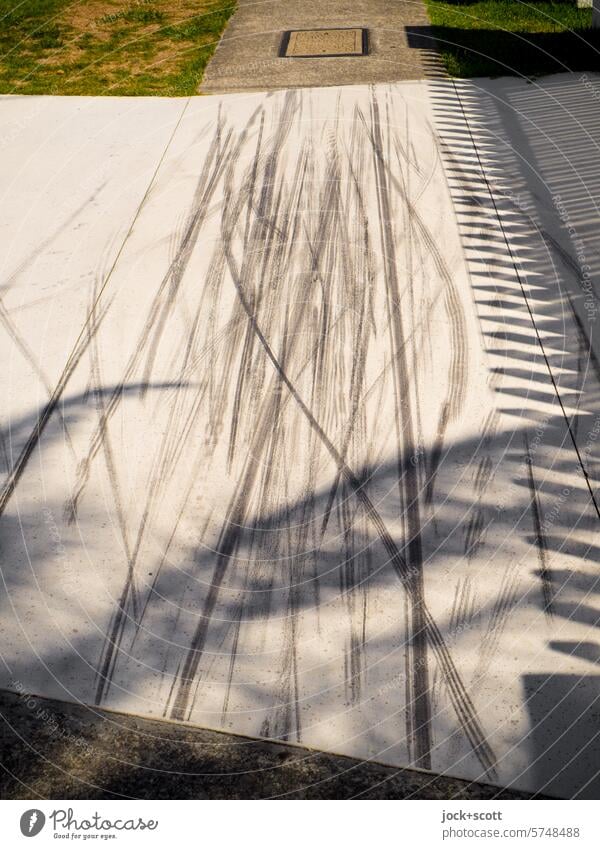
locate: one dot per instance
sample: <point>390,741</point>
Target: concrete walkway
<point>295,439</point>
<point>247,58</point>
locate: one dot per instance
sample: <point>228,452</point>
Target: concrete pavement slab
<point>73,172</point>
<point>301,494</point>
<point>249,58</point>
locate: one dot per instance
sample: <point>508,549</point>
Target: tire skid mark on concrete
<point>292,446</point>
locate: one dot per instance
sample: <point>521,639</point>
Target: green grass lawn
<point>494,37</point>
<point>120,47</point>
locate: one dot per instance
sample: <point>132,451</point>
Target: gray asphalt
<point>55,750</point>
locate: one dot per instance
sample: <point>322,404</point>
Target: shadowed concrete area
<point>296,442</point>
<point>54,750</point>
<point>527,195</point>
<point>247,58</point>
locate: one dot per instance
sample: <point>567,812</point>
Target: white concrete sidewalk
<point>289,447</point>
